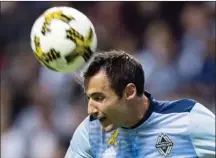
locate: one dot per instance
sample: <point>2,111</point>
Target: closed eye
<point>98,98</point>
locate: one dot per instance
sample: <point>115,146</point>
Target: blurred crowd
<point>40,109</point>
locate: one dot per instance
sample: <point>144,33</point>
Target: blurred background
<point>40,109</point>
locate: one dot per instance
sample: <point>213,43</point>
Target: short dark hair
<point>121,69</point>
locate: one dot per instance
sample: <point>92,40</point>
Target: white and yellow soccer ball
<point>63,39</point>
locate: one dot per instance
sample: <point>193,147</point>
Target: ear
<point>130,91</point>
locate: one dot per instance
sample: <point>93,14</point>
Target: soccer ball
<point>63,39</point>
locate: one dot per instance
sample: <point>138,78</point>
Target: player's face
<point>104,103</point>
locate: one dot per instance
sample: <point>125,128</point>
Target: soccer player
<point>125,121</point>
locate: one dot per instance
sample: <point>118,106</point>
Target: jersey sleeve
<point>80,145</point>
<point>202,131</point>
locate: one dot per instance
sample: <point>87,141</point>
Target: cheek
<point>106,107</point>
<point>112,109</point>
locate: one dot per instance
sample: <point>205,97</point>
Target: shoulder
<point>202,130</point>
<point>88,126</point>
<point>201,125</point>
<point>203,118</point>
<point>82,131</point>
<point>80,145</point>
<point>176,106</point>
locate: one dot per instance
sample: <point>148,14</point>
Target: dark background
<point>40,109</point>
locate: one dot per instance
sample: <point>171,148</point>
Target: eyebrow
<point>94,94</point>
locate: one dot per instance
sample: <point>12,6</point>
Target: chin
<point>109,128</point>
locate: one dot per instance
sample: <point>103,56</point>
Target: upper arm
<point>80,145</point>
<point>202,130</point>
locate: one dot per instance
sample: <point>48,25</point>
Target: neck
<point>137,112</point>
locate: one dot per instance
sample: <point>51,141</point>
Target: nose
<point>92,110</point>
<point>94,113</point>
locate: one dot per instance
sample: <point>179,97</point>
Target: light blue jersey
<point>176,129</point>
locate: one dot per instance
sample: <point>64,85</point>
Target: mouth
<point>101,119</point>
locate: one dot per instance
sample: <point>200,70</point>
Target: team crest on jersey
<point>164,144</point>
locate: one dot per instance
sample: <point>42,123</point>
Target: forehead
<point>98,83</point>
